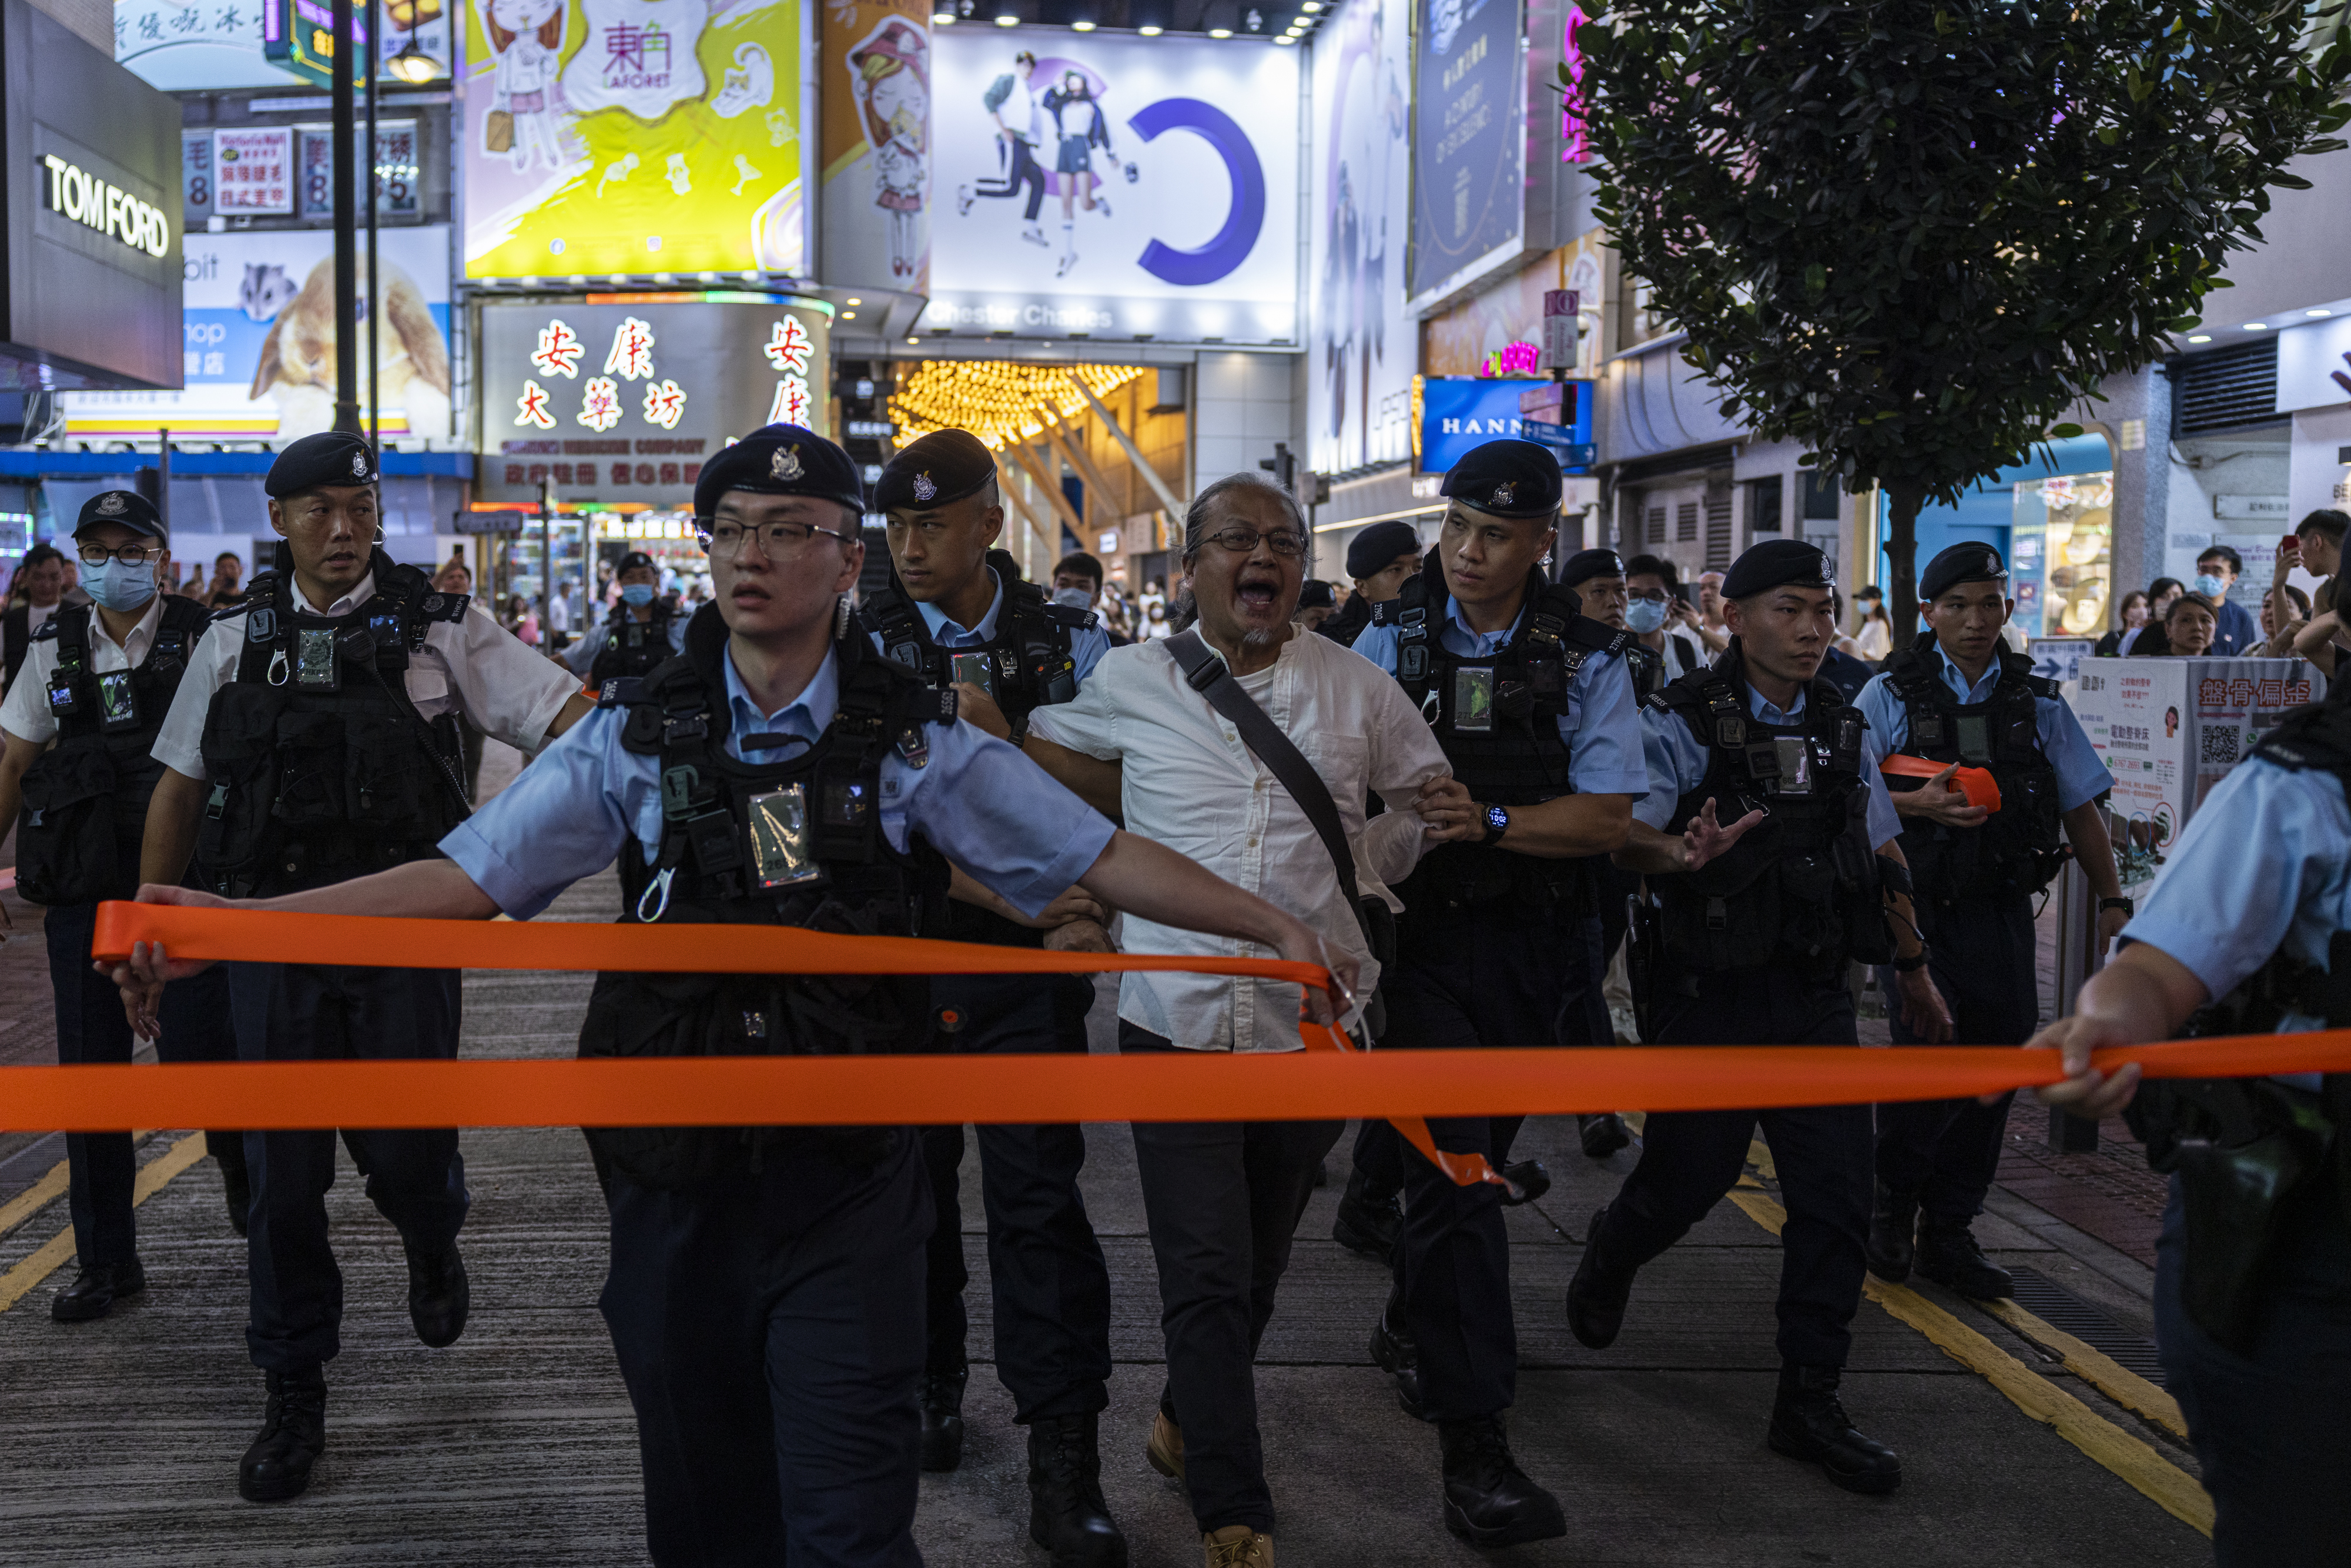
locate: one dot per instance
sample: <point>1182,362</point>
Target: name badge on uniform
<point>64,701</point>
<point>1794,754</point>
<point>117,702</point>
<point>781,852</point>
<point>1473,701</point>
<point>1975,739</point>
<point>977,668</point>
<point>315,666</point>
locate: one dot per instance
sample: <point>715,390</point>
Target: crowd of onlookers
<point>2201,619</point>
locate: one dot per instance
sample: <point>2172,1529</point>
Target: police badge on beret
<point>1506,495</point>
<point>785,463</point>
<point>111,504</point>
<point>925,487</point>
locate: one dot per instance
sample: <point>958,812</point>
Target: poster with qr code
<point>2234,702</point>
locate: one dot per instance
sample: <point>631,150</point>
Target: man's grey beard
<point>1263,638</point>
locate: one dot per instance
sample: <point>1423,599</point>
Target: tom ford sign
<point>111,210</point>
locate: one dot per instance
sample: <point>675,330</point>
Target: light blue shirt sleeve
<point>580,656</point>
<point>2081,777</point>
<point>1678,765</point>
<point>2260,866</point>
<point>1602,731</point>
<point>1888,716</point>
<point>1088,643</point>
<point>1378,643</point>
<point>563,819</point>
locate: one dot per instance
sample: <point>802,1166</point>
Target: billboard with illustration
<point>1468,163</point>
<point>1119,187</point>
<point>875,62</point>
<point>258,319</point>
<point>631,136</point>
<point>1360,343</point>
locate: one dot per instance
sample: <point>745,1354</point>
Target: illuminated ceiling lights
<point>943,18</point>
<point>1008,18</point>
<point>995,400</point>
<point>1151,29</point>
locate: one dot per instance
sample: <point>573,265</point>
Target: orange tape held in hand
<point>1976,783</point>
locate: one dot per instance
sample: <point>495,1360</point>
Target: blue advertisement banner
<point>1469,152</point>
<point>1459,413</point>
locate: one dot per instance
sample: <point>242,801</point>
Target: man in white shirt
<point>1223,1199</point>
<point>314,740</point>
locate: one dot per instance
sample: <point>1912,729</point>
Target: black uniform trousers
<point>416,1179</point>
<point>1222,1201</point>
<point>1486,975</point>
<point>1690,1158</point>
<point>770,1329</point>
<point>1982,957</point>
<point>2267,1421</point>
<point>92,1027</point>
<point>1047,1278</point>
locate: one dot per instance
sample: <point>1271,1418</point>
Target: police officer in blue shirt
<point>1959,695</point>
<point>765,1298</point>
<point>958,614</point>
<point>1771,850</point>
<point>639,632</point>
<point>1501,935</point>
<point>2248,931</point>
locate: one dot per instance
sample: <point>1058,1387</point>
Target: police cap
<point>128,508</point>
<point>1315,594</point>
<point>780,460</point>
<point>943,466</point>
<point>1778,563</point>
<point>1587,564</point>
<point>632,561</point>
<point>1371,551</point>
<point>1507,479</point>
<point>1973,561</point>
<point>331,458</point>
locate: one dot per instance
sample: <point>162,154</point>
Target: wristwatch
<point>1497,821</point>
<point>1019,733</point>
<point>1911,966</point>
<point>2126,906</point>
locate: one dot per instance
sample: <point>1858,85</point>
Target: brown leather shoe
<point>1166,1450</point>
<point>1238,1546</point>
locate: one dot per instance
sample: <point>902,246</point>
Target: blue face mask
<point>116,587</point>
<point>1073,597</point>
<point>1645,615</point>
<point>637,593</point>
<point>2210,587</point>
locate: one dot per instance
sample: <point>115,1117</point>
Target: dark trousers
<point>93,1027</point>
<point>1025,172</point>
<point>1222,1201</point>
<point>1483,975</point>
<point>1690,1158</point>
<point>1046,1275</point>
<point>2267,1424</point>
<point>770,1329</point>
<point>322,1012</point>
<point>1379,1156</point>
<point>1984,963</point>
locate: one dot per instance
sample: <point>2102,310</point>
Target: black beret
<point>1587,564</point>
<point>943,466</point>
<point>1507,479</point>
<point>128,507</point>
<point>1779,563</point>
<point>780,460</point>
<point>634,559</point>
<point>1376,547</point>
<point>1973,561</point>
<point>1316,595</point>
<point>329,459</point>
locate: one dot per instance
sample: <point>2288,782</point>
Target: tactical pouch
<point>313,780</point>
<point>233,833</point>
<point>392,787</point>
<point>65,841</point>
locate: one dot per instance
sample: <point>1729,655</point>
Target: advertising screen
<point>258,319</point>
<point>1116,187</point>
<point>1468,151</point>
<point>875,56</point>
<point>1457,414</point>
<point>626,401</point>
<point>188,45</point>
<point>633,137</point>
<point>1361,341</point>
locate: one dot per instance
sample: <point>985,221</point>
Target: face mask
<point>637,593</point>
<point>1075,598</point>
<point>1646,615</point>
<point>116,585</point>
<point>2210,587</point>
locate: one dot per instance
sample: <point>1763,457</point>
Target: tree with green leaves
<point>1911,234</point>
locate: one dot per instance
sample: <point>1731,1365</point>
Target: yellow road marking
<point>51,1186</point>
<point>2094,1367</point>
<point>48,1258</point>
<point>2137,1462</point>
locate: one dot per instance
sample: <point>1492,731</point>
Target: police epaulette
<point>444,606</point>
<point>48,632</point>
<point>1068,615</point>
<point>257,592</point>
<point>1598,635</point>
<point>620,691</point>
<point>2043,686</point>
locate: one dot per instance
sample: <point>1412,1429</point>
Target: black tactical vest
<point>1799,889</point>
<point>794,839</point>
<point>1496,719</point>
<point>85,799</point>
<point>2017,850</point>
<point>628,646</point>
<point>321,768</point>
<point>1030,666</point>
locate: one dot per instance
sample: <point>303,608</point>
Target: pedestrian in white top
<point>1223,1199</point>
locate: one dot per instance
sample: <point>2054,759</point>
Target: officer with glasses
<point>78,728</point>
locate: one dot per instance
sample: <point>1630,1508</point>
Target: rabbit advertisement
<point>631,136</point>
<point>259,352</point>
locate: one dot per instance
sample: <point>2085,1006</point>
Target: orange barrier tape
<point>1976,783</point>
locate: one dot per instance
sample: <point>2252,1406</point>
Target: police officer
<point>1379,559</point>
<point>1757,837</point>
<point>1532,704</point>
<point>766,1285</point>
<point>1959,695</point>
<point>97,679</point>
<point>958,614</point>
<point>313,741</point>
<point>2248,931</point>
<point>639,632</point>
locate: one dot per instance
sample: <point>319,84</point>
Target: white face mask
<point>1073,597</point>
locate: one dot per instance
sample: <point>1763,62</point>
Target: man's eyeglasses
<point>724,540</point>
<point>128,555</point>
<point>1243,541</point>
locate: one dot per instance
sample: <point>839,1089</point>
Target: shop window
<point>1824,497</point>
<point>1763,497</point>
<point>2060,548</point>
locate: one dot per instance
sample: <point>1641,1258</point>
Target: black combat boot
<point>95,1291</point>
<point>1368,1223</point>
<point>1948,1255</point>
<point>942,1418</point>
<point>1602,1134</point>
<point>1893,1230</point>
<point>1489,1500</point>
<point>1808,1422</point>
<point>293,1435</point>
<point>1397,1353</point>
<point>438,1295</point>
<point>1067,1515</point>
<point>1596,1296</point>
